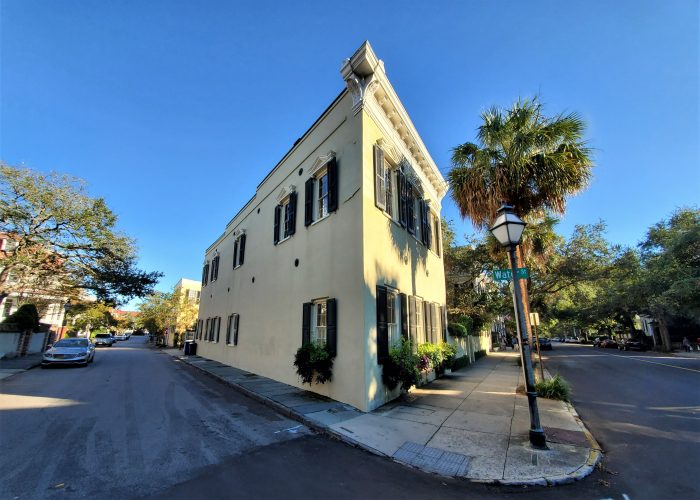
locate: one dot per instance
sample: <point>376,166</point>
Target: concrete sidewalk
<point>469,424</point>
<point>10,366</point>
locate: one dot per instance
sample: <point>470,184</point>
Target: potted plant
<point>314,362</point>
<point>402,367</point>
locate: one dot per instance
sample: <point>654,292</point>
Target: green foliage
<point>456,330</point>
<point>554,388</point>
<point>401,367</point>
<point>479,354</point>
<point>160,311</point>
<point>67,241</point>
<point>433,352</point>
<point>92,316</point>
<point>449,353</point>
<point>26,318</point>
<point>313,361</point>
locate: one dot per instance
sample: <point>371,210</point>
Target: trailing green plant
<point>460,362</point>
<point>457,330</point>
<point>479,354</point>
<point>313,361</point>
<point>554,388</point>
<point>26,318</point>
<point>449,353</point>
<point>401,367</point>
<point>432,352</point>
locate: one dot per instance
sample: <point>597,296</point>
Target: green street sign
<point>505,274</point>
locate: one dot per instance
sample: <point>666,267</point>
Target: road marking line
<point>636,358</point>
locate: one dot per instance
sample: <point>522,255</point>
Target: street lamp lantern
<point>508,230</point>
<point>508,227</point>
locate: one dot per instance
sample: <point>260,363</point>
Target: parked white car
<point>71,351</point>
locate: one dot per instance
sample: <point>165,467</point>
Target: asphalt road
<point>139,424</point>
<point>644,409</point>
<point>130,424</point>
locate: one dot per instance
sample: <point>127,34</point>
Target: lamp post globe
<point>508,230</point>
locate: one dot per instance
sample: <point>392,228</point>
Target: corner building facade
<point>339,245</point>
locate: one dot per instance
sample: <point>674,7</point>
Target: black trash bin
<point>190,348</point>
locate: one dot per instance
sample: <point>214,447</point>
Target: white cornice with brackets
<point>371,90</point>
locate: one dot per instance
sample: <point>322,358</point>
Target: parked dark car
<point>545,344</point>
<point>608,343</point>
<point>636,344</point>
<point>598,340</point>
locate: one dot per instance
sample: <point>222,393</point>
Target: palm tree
<point>524,158</point>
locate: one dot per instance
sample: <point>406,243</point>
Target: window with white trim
<point>392,318</point>
<point>232,329</point>
<point>420,333</point>
<point>320,314</point>
<point>239,250</point>
<point>322,198</point>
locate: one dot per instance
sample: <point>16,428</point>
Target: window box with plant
<point>314,359</point>
<point>402,367</point>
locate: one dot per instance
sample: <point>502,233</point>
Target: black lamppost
<point>508,230</point>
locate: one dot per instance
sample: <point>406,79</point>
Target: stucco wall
<point>330,265</point>
<point>392,257</point>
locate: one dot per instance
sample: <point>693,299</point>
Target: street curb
<point>594,456</point>
<point>22,370</point>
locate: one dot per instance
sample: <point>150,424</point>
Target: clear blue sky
<point>174,111</point>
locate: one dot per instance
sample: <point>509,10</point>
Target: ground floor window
<point>392,316</point>
<point>418,321</point>
<point>318,334</point>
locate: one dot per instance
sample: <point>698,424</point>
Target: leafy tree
<point>161,311</point>
<point>671,277</point>
<point>66,241</point>
<point>89,317</point>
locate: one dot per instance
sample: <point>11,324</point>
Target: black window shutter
<point>401,181</point>
<point>206,329</point>
<point>241,250</point>
<point>205,272</point>
<point>438,242</point>
<point>382,330</point>
<point>218,328</point>
<point>429,226</point>
<point>332,185</point>
<point>235,254</point>
<point>379,179</point>
<point>228,329</point>
<point>306,324</point>
<point>236,317</point>
<point>443,330</point>
<point>292,213</point>
<point>309,202</point>
<point>278,211</point>
<point>404,315</point>
<point>332,327</point>
<point>410,209</point>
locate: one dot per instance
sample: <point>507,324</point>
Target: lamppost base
<point>538,439</point>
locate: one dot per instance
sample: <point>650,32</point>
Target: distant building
<point>190,292</point>
<point>340,246</point>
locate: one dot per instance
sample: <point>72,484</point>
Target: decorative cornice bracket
<point>360,88</point>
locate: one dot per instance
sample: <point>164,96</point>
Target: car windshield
<point>71,343</point>
<point>102,336</point>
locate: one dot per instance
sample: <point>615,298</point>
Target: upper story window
<point>239,250</point>
<point>435,246</point>
<point>385,183</point>
<point>285,217</point>
<point>321,191</point>
<point>214,269</point>
<point>205,274</point>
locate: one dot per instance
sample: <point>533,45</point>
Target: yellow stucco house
<point>340,244</point>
